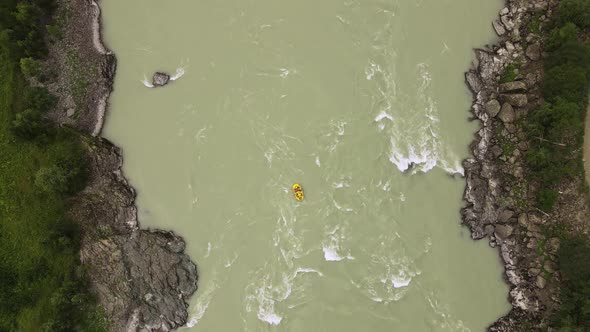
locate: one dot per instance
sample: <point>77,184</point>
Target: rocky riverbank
<point>142,278</point>
<point>506,86</point>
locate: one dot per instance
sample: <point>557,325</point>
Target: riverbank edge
<point>505,82</point>
<point>141,277</point>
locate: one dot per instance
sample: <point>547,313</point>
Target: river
<point>361,102</point>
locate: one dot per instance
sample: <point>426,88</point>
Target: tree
<point>572,54</point>
<point>27,13</point>
<point>567,82</point>
<point>568,122</point>
<point>562,35</point>
<point>575,11</point>
<point>574,265</point>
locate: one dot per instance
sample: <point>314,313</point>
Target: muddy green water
<point>342,96</point>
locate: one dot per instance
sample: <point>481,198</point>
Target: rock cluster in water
<point>160,79</point>
<point>495,174</point>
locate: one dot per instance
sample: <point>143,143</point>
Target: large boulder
<point>533,52</point>
<point>493,108</point>
<point>550,266</point>
<point>507,114</point>
<point>160,79</point>
<point>500,30</point>
<point>507,22</point>
<point>541,282</point>
<point>518,100</point>
<point>552,245</point>
<point>503,231</point>
<point>496,151</point>
<point>513,86</point>
<point>473,81</point>
<point>505,215</point>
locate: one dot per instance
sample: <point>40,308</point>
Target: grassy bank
<point>42,283</point>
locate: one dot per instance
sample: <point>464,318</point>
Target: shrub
<point>53,179</point>
<point>546,198</point>
<point>39,99</point>
<point>510,73</point>
<point>30,67</point>
<point>54,32</point>
<point>28,124</point>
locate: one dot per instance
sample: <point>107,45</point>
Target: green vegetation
<point>80,83</point>
<point>556,132</point>
<point>574,264</point>
<point>534,25</point>
<point>55,30</point>
<point>30,67</point>
<point>42,282</point>
<point>510,73</point>
<point>573,11</point>
<point>556,128</point>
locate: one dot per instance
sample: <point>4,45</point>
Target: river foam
<point>178,74</point>
<point>331,246</point>
<point>415,141</point>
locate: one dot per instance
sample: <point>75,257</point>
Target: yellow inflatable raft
<point>298,191</point>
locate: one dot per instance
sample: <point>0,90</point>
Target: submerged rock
<point>160,79</point>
